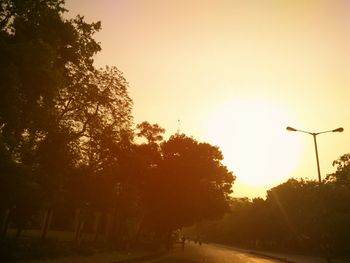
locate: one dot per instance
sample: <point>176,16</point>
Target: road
<point>210,254</point>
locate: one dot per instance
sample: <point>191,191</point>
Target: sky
<point>235,74</point>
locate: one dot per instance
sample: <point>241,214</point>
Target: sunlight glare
<point>253,138</point>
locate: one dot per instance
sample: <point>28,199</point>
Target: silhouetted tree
<point>342,174</point>
<point>190,185</point>
<point>57,112</point>
<point>152,132</point>
<point>297,215</point>
<point>35,47</point>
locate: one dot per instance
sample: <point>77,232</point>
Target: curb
<point>270,256</point>
<point>140,258</point>
<point>258,253</point>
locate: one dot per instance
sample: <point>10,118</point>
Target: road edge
<point>141,258</point>
<point>269,256</point>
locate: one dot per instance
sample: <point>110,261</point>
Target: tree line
<point>68,146</point>
<point>297,215</point>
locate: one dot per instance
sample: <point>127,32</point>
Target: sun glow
<point>253,138</point>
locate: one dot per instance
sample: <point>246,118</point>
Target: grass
<point>60,246</point>
<point>62,236</point>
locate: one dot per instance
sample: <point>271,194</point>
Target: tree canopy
<point>67,139</point>
<point>58,113</point>
<point>297,215</point>
<point>190,184</point>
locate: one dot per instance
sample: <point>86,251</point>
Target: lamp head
<point>291,129</point>
<point>338,130</point>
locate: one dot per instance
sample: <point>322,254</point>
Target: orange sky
<point>236,73</point>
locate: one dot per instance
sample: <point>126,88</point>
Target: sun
<point>252,135</point>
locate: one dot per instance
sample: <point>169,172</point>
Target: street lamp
<point>314,134</point>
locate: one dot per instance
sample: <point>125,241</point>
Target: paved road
<point>210,254</point>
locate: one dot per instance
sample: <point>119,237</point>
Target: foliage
<point>297,215</point>
<point>190,184</point>
<point>67,143</point>
<point>58,114</point>
<point>152,133</point>
<point>342,174</point>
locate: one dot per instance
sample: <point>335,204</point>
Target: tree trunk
<point>97,222</point>
<point>19,232</point>
<point>5,224</point>
<point>139,230</point>
<point>46,222</point>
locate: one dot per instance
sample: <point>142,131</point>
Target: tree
<point>190,185</point>
<point>35,46</point>
<point>297,215</point>
<point>58,114</point>
<point>152,132</point>
<point>342,174</point>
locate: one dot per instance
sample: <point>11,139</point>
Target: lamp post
<point>314,134</point>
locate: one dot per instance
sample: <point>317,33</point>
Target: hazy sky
<point>236,73</point>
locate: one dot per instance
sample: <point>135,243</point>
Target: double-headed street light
<point>314,134</point>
